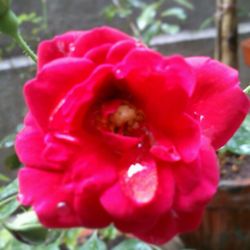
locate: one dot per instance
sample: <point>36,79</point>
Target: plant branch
<point>24,46</point>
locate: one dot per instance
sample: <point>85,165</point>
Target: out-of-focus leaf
<point>17,245</point>
<point>8,207</point>
<point>12,162</point>
<point>29,17</point>
<point>4,178</point>
<point>137,3</point>
<point>110,12</point>
<point>151,31</point>
<point>240,142</point>
<point>175,12</point>
<point>170,28</point>
<point>53,236</point>
<point>109,233</point>
<point>26,228</point>
<point>70,237</point>
<point>94,243</point>
<point>185,3</point>
<point>7,141</point>
<point>247,90</point>
<point>133,244</point>
<point>206,23</point>
<point>147,16</point>
<point>10,190</point>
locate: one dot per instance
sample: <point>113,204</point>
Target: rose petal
<point>54,211</point>
<point>52,83</point>
<point>187,175</point>
<point>204,191</point>
<point>70,112</point>
<point>160,85</point>
<point>217,99</point>
<point>126,215</point>
<point>185,133</point>
<point>30,153</point>
<point>162,231</point>
<point>97,37</point>
<point>119,50</point>
<point>92,175</point>
<point>98,55</point>
<point>165,150</point>
<point>60,46</point>
<point>140,182</point>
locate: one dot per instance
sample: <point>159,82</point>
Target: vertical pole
<point>226,47</point>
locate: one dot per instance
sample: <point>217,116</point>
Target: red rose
<point>118,133</point>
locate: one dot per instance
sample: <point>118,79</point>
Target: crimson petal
<point>217,99</point>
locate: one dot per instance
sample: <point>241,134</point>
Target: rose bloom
<point>118,133</point>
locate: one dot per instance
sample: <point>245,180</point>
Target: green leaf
<point>12,162</point>
<point>147,16</point>
<point>4,178</point>
<point>94,243</point>
<point>108,233</point>
<point>185,3</point>
<point>8,207</point>
<point>206,23</point>
<point>110,12</point>
<point>70,237</point>
<point>9,190</point>
<point>136,3</point>
<point>7,141</point>
<point>175,12</point>
<point>151,31</point>
<point>240,142</point>
<point>170,28</point>
<point>26,228</point>
<point>247,90</point>
<point>133,244</point>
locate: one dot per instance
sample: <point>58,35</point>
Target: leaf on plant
<point>170,28</point>
<point>109,233</point>
<point>12,162</point>
<point>147,16</point>
<point>4,178</point>
<point>137,3</point>
<point>26,228</point>
<point>175,12</point>
<point>94,243</point>
<point>153,30</point>
<point>206,23</point>
<point>8,207</point>
<point>7,141</point>
<point>132,244</point>
<point>10,190</point>
<point>109,12</point>
<point>185,3</point>
<point>240,142</point>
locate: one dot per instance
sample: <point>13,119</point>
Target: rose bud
<point>118,133</point>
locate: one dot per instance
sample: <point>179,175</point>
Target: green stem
<point>25,47</point>
<point>247,90</point>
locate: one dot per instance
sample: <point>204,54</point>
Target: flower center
<point>121,117</point>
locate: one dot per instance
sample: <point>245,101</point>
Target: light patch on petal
<point>134,169</point>
<point>140,182</point>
